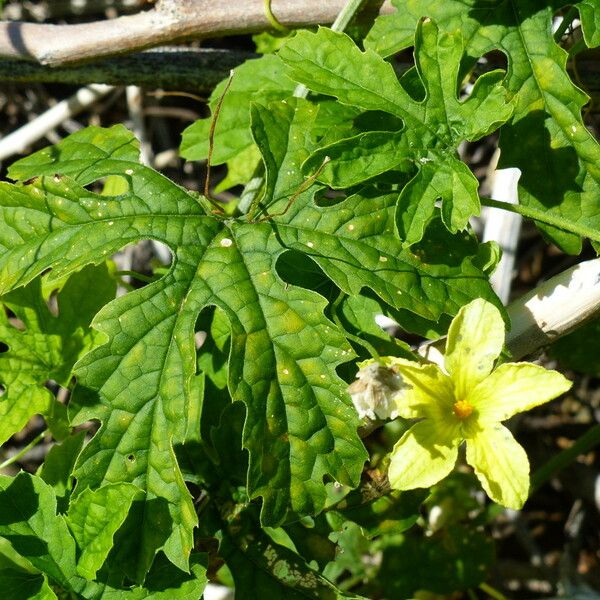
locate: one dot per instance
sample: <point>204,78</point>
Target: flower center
<point>462,409</point>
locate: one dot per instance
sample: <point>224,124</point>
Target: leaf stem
<point>566,22</point>
<point>546,218</point>
<point>492,592</point>
<point>564,458</point>
<point>25,450</point>
<point>135,275</point>
<point>211,143</point>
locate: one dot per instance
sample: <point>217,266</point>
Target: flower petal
<point>424,455</point>
<point>475,340</point>
<point>513,388</point>
<point>500,464</point>
<point>427,391</point>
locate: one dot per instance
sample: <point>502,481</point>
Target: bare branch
<point>18,141</point>
<point>196,70</point>
<point>41,11</point>
<point>171,20</point>
<point>554,308</point>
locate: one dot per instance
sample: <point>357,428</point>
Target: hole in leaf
<point>567,28</point>
<point>110,186</point>
<point>139,264</point>
<point>329,197</point>
<point>491,61</point>
<point>131,458</point>
<point>212,337</point>
<point>296,268</point>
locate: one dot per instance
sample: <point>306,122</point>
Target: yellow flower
<point>467,403</point>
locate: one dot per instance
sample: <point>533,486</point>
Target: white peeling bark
<point>554,308</point>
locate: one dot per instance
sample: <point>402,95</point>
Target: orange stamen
<point>462,409</point>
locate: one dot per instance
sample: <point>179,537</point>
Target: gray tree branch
<point>170,21</point>
<point>185,69</point>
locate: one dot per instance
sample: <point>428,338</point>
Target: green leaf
<point>37,533</point>
<point>300,425</point>
<point>358,314</point>
<point>391,33</point>
<point>580,350</point>
<point>164,582</point>
<point>94,517</point>
<point>261,80</point>
<point>590,22</point>
<point>311,540</point>
<point>353,546</point>
<point>25,586</point>
<point>356,159</point>
<point>393,513</point>
<point>49,346</point>
<point>57,468</point>
<point>262,567</point>
<point>546,133</point>
<point>355,245</point>
<point>282,132</point>
<point>269,42</point>
<point>240,169</point>
<point>330,63</point>
<point>454,559</point>
<point>447,179</point>
<point>30,523</point>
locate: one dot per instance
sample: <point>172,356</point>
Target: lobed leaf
<point>590,22</point>
<point>331,63</point>
<point>546,133</point>
<point>354,242</point>
<point>300,426</point>
<point>37,533</point>
<point>30,523</point>
<point>94,517</point>
<point>48,346</point>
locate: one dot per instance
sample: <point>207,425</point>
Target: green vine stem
<point>491,591</point>
<point>275,24</point>
<point>139,276</point>
<point>347,14</point>
<point>563,459</point>
<point>544,217</point>
<point>34,442</point>
<point>566,22</point>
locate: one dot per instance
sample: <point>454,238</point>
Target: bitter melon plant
<point>239,460</point>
